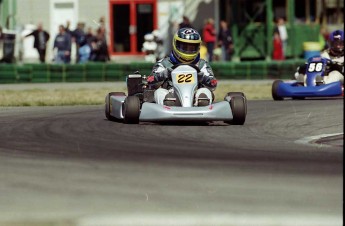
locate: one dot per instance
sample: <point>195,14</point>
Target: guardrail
<point>91,72</point>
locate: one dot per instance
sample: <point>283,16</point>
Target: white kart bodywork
<point>185,83</point>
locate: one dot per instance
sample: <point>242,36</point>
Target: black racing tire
<point>240,94</point>
<point>238,105</point>
<point>275,86</point>
<point>298,98</point>
<point>232,94</point>
<point>108,105</point>
<point>131,110</point>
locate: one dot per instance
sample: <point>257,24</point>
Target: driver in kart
<point>186,50</point>
<point>335,53</point>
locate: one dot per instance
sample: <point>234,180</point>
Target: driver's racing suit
<point>335,69</point>
<point>161,71</point>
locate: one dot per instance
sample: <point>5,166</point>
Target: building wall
<point>92,10</point>
<point>33,12</point>
<point>169,14</point>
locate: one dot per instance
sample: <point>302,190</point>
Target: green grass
<point>95,96</point>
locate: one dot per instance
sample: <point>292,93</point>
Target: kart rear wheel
<point>108,105</point>
<point>238,106</point>
<point>275,86</point>
<point>131,110</point>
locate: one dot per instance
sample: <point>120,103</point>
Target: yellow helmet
<point>186,45</point>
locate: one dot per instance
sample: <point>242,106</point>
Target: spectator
<point>67,27</point>
<point>41,38</point>
<point>281,28</point>
<point>101,47</point>
<point>84,51</point>
<point>102,22</point>
<point>225,40</point>
<point>209,35</point>
<point>90,37</point>
<point>277,47</point>
<point>63,45</point>
<point>185,23</point>
<point>78,35</point>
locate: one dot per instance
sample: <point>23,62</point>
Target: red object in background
<point>135,12</point>
<point>209,33</point>
<point>277,49</point>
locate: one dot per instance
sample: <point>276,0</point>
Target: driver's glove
<point>150,79</point>
<point>210,82</point>
<point>213,83</point>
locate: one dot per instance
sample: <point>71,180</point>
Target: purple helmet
<point>336,43</point>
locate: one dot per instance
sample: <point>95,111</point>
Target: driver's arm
<point>336,67</point>
<point>207,77</point>
<point>159,72</point>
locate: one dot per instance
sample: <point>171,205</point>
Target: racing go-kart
<point>139,105</point>
<point>313,85</point>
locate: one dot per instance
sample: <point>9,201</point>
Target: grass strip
<point>96,95</point>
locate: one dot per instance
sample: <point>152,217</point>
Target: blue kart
<point>313,85</point>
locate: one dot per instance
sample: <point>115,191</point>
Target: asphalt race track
<point>70,166</point>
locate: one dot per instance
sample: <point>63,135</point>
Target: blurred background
<point>128,31</point>
<point>127,21</point>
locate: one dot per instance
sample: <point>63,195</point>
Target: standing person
<point>209,35</point>
<point>68,27</point>
<point>225,40</point>
<point>91,40</point>
<point>277,47</point>
<point>78,36</point>
<point>63,44</point>
<point>90,37</point>
<point>41,38</point>
<point>185,23</point>
<point>84,51</point>
<point>281,28</point>
<point>102,53</point>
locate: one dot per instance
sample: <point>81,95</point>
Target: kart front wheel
<point>238,106</point>
<point>131,110</point>
<point>240,94</point>
<point>275,87</point>
<point>108,104</point>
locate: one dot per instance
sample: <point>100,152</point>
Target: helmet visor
<point>337,45</point>
<point>188,48</point>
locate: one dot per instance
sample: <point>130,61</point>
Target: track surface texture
<point>71,166</point>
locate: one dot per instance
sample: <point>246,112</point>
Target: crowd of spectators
<point>89,46</point>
